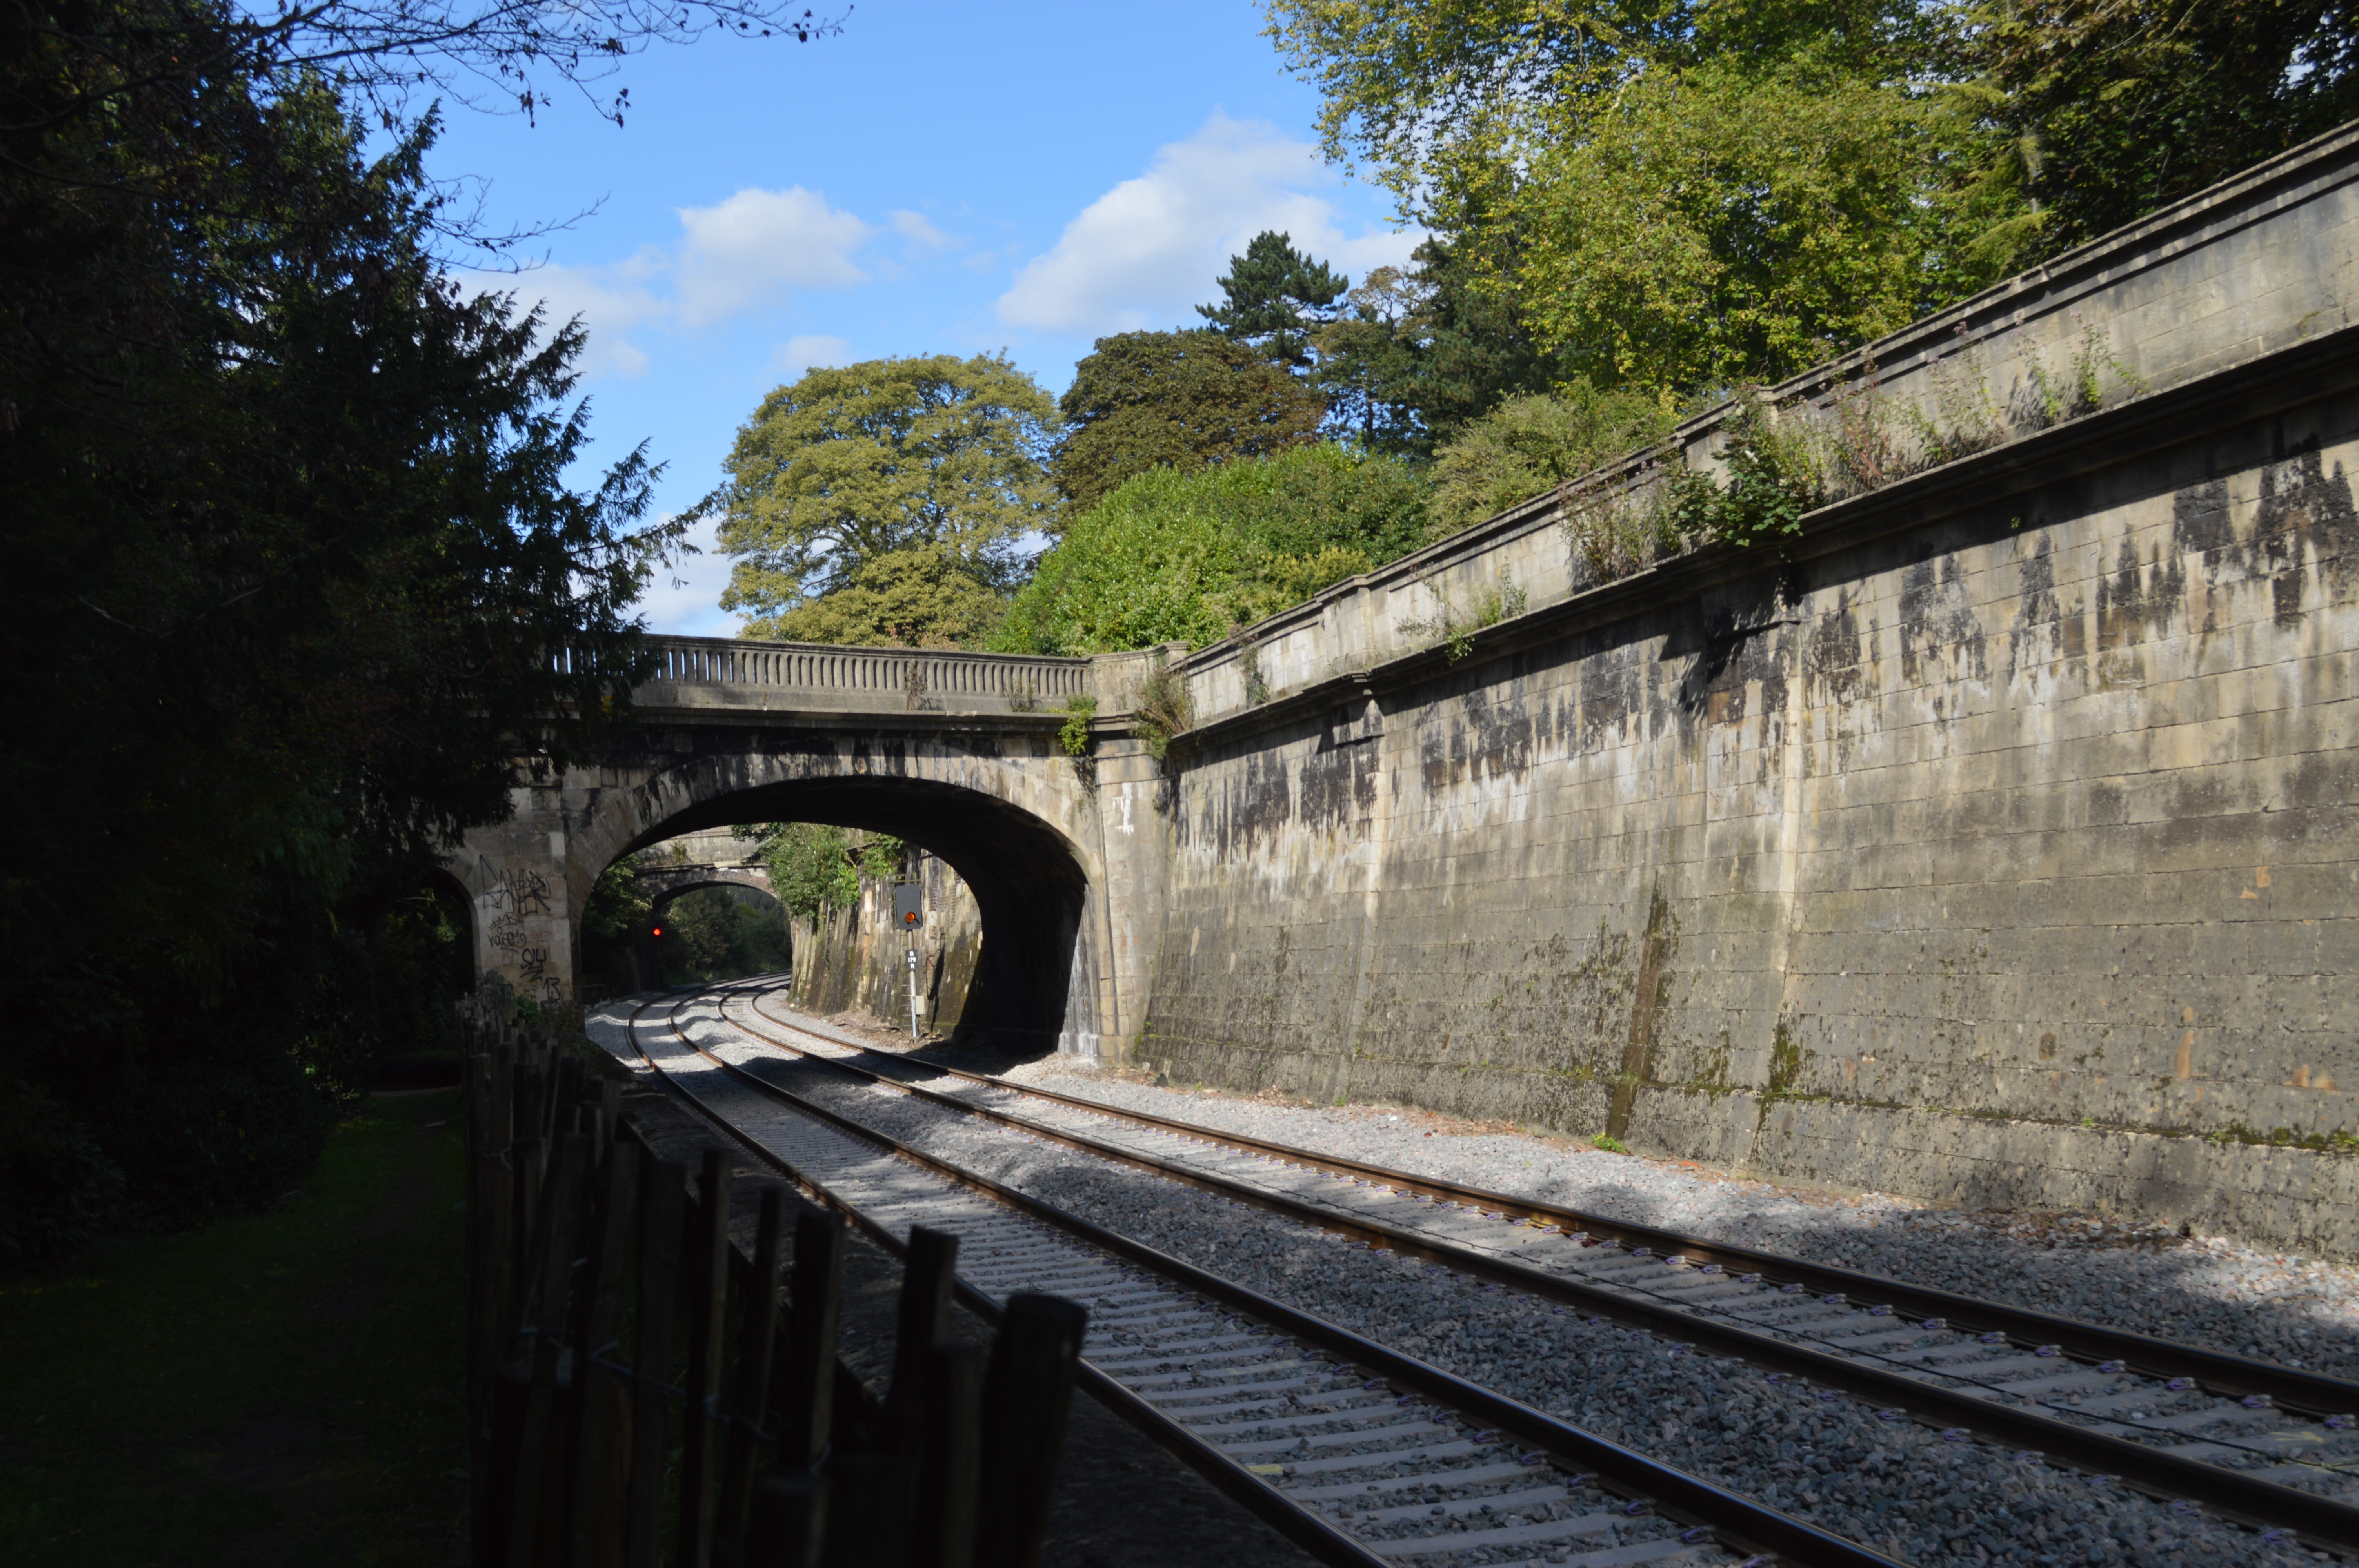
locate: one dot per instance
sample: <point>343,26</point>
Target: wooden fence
<point>640,1395</point>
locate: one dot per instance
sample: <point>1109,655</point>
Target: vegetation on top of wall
<point>1074,736</point>
<point>1161,708</point>
<point>1536,443</point>
<point>1183,557</point>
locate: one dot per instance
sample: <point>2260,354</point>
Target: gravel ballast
<point>1895,1486</point>
<point>2208,1291</point>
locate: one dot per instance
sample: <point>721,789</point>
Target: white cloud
<point>684,601</point>
<point>742,255</point>
<point>1145,252</point>
<point>913,227</point>
<point>609,306</point>
<point>752,248</point>
<point>809,351</point>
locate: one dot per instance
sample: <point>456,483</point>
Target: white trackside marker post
<point>913,993</point>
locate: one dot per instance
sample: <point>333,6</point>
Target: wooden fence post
<point>1026,1396</point>
<point>601,1403</point>
<point>870,1498</point>
<point>661,1199</point>
<point>540,1326</point>
<point>806,1375</point>
<point>757,1345</point>
<point>708,1308</point>
<point>924,1324</point>
<point>789,1520</point>
<point>949,1408</point>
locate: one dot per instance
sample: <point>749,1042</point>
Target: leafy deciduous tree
<point>846,467</point>
<point>2112,108</point>
<point>922,596</point>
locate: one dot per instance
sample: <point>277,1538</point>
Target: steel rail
<point>1757,1529</point>
<point>2228,1376</point>
<point>2323,1522</point>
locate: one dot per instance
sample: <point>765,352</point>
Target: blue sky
<point>935,179</point>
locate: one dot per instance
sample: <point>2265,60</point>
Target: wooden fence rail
<point>731,1435</point>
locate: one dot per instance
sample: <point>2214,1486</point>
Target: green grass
<point>283,1389</point>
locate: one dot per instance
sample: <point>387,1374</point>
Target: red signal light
<point>659,930</point>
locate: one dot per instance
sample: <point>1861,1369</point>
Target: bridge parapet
<point>722,672</point>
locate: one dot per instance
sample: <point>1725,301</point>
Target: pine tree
<point>1275,298</point>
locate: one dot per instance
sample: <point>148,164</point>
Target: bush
<point>1528,445</point>
<point>1174,557</point>
<point>58,1188</point>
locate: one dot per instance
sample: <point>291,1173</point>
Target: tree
<point>1675,194</point>
<point>496,55</point>
<point>849,466</point>
<point>1140,400</point>
<point>281,507</point>
<point>1426,349</point>
<point>917,598</point>
<point>2111,108</point>
<point>1726,224</point>
<point>1276,299</point>
<point>1533,442</point>
<point>1368,362</point>
<point>1183,556</point>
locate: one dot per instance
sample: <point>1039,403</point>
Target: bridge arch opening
<point>1029,887</point>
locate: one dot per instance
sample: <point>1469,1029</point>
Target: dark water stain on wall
<point>1939,637</point>
<point>2304,513</point>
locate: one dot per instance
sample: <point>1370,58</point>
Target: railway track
<point>1359,1454</point>
<point>2267,1446</point>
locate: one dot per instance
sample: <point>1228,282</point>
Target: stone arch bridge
<point>956,752</point>
<point>1992,838</point>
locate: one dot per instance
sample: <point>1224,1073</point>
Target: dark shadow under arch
<point>1028,889</point>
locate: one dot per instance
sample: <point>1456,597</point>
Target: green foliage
<point>341,1310</point>
<point>1174,557</point>
<point>1774,477</point>
<point>289,553</point>
<point>1423,352</point>
<point>421,950</point>
<point>1610,1143</point>
<point>617,916</point>
<point>849,466</point>
<point>58,1188</point>
<point>1146,400</point>
<point>721,934</point>
<point>883,858</point>
<point>1679,194</point>
<point>923,597</point>
<point>2107,109</point>
<point>813,870</point>
<point>1453,627</point>
<point>1276,299</point>
<point>1161,708</point>
<point>1727,223</point>
<point>1533,443</point>
<point>1666,193</point>
<point>1074,734</point>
